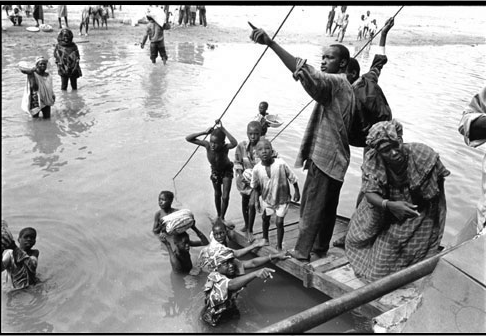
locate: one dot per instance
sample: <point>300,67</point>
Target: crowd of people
<point>400,211</point>
<point>366,30</point>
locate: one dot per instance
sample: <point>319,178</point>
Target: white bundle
<point>178,221</point>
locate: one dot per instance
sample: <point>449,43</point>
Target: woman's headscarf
<point>214,255</point>
<point>65,32</point>
<point>40,59</point>
<point>384,131</point>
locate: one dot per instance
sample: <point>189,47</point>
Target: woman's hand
<point>264,273</point>
<point>402,210</point>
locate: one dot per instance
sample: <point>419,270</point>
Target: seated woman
<point>401,219</point>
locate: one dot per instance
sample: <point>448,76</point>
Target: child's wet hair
<point>264,103</point>
<point>24,230</point>
<point>168,194</point>
<point>261,142</point>
<point>219,222</point>
<point>254,124</point>
<point>219,134</point>
<point>353,65</point>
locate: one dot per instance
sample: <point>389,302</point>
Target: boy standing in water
<point>180,258</point>
<point>270,179</point>
<point>261,117</point>
<point>39,94</point>
<point>165,203</point>
<point>20,262</point>
<point>245,160</point>
<point>221,166</point>
<point>155,33</point>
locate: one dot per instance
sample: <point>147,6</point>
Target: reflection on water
<point>113,145</point>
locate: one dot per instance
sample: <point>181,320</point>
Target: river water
<point>88,179</point>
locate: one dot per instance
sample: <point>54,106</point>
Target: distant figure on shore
<point>221,166</point>
<point>401,219</point>
<point>367,22</point>
<point>62,13</point>
<point>21,261</point>
<point>16,17</point>
<point>261,117</point>
<point>202,15</point>
<point>38,94</point>
<point>339,20</point>
<point>473,127</point>
<point>38,14</point>
<point>67,58</point>
<point>324,151</point>
<point>85,14</point>
<point>193,12</point>
<point>155,33</point>
<point>361,29</point>
<point>342,29</point>
<point>330,20</point>
<point>270,180</point>
<point>245,160</point>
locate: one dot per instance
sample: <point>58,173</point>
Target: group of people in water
<point>401,208</point>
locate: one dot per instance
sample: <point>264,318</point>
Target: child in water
<point>39,94</point>
<point>165,203</point>
<point>19,262</point>
<point>180,258</point>
<point>155,33</point>
<point>67,59</point>
<point>221,166</point>
<point>270,179</point>
<point>261,117</point>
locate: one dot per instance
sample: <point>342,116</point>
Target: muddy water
<point>88,179</point>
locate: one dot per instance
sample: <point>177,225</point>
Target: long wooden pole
<point>328,310</point>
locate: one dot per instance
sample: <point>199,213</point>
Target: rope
<point>356,55</point>
<point>238,91</point>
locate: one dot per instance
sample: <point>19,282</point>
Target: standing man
<point>324,150</point>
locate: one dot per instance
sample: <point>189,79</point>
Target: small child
<point>20,262</point>
<point>165,203</point>
<point>221,166</point>
<point>261,117</point>
<point>67,59</point>
<point>245,160</point>
<point>155,33</point>
<point>270,179</point>
<point>38,94</point>
<point>180,258</point>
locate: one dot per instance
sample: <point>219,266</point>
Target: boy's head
<point>352,70</point>
<point>263,107</point>
<point>335,59</point>
<point>217,139</point>
<point>254,131</point>
<point>264,150</point>
<point>181,242</point>
<point>165,199</point>
<point>219,231</point>
<point>27,238</point>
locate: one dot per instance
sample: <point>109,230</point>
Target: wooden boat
<point>332,274</point>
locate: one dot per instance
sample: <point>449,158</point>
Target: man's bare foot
<point>249,237</point>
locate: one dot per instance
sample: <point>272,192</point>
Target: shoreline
<point>414,35</point>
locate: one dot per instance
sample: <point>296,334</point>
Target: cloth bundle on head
<point>384,131</point>
<point>40,59</point>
